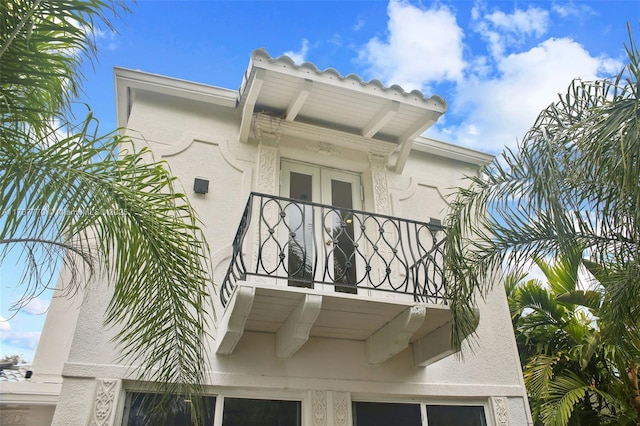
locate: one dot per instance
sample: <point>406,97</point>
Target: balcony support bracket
<point>395,335</point>
<point>234,319</point>
<point>295,331</point>
<point>433,346</point>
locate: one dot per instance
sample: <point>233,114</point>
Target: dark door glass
<point>344,259</point>
<point>300,230</point>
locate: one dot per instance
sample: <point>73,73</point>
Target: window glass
<point>344,258</point>
<point>260,412</point>
<point>446,415</point>
<point>386,414</point>
<point>300,224</point>
<point>147,409</point>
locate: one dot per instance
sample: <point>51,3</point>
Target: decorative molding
<point>319,403</point>
<point>265,123</point>
<point>380,186</point>
<point>182,145</point>
<point>417,182</point>
<point>377,162</point>
<point>13,418</point>
<point>417,187</point>
<point>340,408</point>
<point>500,410</point>
<point>269,131</point>
<point>189,139</point>
<point>325,148</point>
<point>267,183</point>
<point>267,169</point>
<point>105,401</point>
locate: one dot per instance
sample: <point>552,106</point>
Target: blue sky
<point>496,63</point>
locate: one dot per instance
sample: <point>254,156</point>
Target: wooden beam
<point>394,336</point>
<point>381,118</point>
<point>433,346</point>
<point>234,319</point>
<point>250,103</point>
<point>295,331</point>
<point>405,141</point>
<point>301,98</point>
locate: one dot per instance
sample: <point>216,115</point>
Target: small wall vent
<point>200,186</point>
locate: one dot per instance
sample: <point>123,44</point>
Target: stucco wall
<point>201,140</point>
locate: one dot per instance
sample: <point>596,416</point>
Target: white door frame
<point>321,193</point>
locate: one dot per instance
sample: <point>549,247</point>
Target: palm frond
<point>568,390</point>
<point>73,195</point>
<point>536,203</point>
<point>539,373</point>
<point>590,299</point>
<point>95,198</point>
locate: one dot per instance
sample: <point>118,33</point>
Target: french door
<point>321,243</point>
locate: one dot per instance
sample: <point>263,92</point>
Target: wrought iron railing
<point>304,244</point>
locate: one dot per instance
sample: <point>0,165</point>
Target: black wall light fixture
<point>200,186</point>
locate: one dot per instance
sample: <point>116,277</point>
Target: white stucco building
<point>330,307</point>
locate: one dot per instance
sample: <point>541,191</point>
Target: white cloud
<point>299,56</point>
<point>422,46</point>
<point>532,21</point>
<point>20,339</point>
<point>503,30</point>
<point>501,109</point>
<point>571,9</point>
<point>495,98</point>
<point>36,306</point>
<point>104,38</point>
<point>4,324</point>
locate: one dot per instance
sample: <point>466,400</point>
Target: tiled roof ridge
<point>15,373</point>
<point>288,61</point>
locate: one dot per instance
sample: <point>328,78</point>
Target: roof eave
<point>453,152</point>
<point>128,81</point>
<point>263,67</point>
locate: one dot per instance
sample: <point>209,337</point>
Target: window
<point>459,415</point>
<point>260,412</point>
<point>148,409</point>
<point>386,414</point>
<point>407,414</point>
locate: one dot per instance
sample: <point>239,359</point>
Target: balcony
<point>300,269</point>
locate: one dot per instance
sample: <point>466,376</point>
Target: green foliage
<point>574,182</point>
<point>91,201</point>
<point>42,45</point>
<point>570,360</point>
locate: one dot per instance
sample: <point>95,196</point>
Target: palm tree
<point>572,368</point>
<point>71,195</point>
<point>573,182</point>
